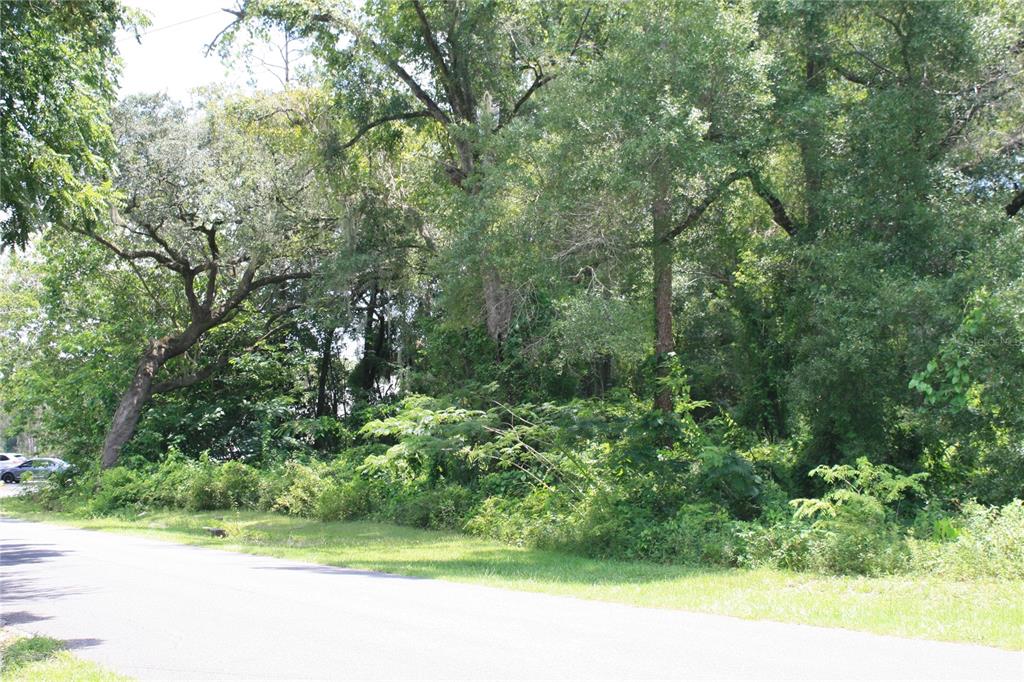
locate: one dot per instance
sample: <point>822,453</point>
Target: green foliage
<point>866,485</point>
<point>536,520</point>
<point>780,543</point>
<point>978,542</point>
<point>58,72</point>
<point>118,490</point>
<point>442,508</point>
<point>304,487</point>
<point>27,650</point>
<point>856,520</point>
<point>353,499</point>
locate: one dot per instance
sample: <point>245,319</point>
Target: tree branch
<point>540,79</point>
<point>579,36</point>
<point>417,91</point>
<point>697,211</point>
<point>428,36</point>
<point>250,283</point>
<point>239,17</point>
<point>405,116</point>
<point>189,279</point>
<point>185,380</point>
<point>779,214</point>
<point>345,24</point>
<point>853,77</point>
<point>175,255</point>
<point>133,255</point>
<point>538,82</point>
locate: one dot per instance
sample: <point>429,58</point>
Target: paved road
<point>156,610</point>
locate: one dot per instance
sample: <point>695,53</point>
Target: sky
<point>171,56</point>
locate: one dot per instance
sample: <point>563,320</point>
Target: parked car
<point>10,459</point>
<point>38,467</point>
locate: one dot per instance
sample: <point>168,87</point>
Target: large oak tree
<point>228,202</point>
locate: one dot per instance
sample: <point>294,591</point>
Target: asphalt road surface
<point>157,610</point>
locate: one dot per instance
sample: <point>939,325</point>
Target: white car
<point>10,459</point>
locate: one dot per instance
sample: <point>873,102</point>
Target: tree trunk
<point>663,256</point>
<point>126,417</point>
<point>122,428</point>
<point>497,306</point>
<point>364,376</point>
<point>326,358</point>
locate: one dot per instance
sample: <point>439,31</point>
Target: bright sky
<point>171,57</point>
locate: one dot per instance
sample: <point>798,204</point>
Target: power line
<point>184,21</point>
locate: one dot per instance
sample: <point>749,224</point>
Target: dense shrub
<point>540,519</point>
<point>354,499</point>
<point>305,486</point>
<point>786,543</point>
<point>855,522</point>
<point>238,485</point>
<point>169,483</point>
<point>608,524</point>
<point>980,542</point>
<point>117,490</point>
<point>590,479</point>
<point>444,507</point>
<point>697,534</point>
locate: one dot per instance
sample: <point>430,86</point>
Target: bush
<point>857,541</point>
<point>980,542</point>
<point>855,528</point>
<point>608,525</point>
<point>784,543</point>
<point>169,484</point>
<point>238,485</point>
<point>354,499</point>
<point>305,486</point>
<point>200,490</point>
<point>117,490</point>
<point>442,508</point>
<point>541,519</point>
<point>697,534</point>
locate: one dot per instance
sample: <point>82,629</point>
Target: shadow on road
<point>21,618</point>
<point>337,570</point>
<point>13,554</point>
<point>22,589</point>
<point>18,584</point>
<point>81,643</point>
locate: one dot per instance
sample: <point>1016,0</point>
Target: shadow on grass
<point>368,548</point>
<point>546,567</point>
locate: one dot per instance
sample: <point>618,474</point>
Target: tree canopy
<point>58,71</point>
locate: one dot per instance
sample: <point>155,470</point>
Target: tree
<point>469,69</point>
<point>878,99</point>
<point>678,121</point>
<point>58,73</point>
<point>228,204</point>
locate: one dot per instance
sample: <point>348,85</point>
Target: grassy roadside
<point>989,612</point>
<point>42,659</point>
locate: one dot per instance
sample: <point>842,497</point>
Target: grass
<point>42,659</point>
<point>989,612</point>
